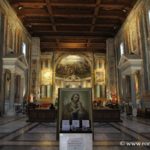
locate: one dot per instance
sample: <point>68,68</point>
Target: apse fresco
<point>73,65</point>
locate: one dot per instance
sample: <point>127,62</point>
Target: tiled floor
<point>17,134</point>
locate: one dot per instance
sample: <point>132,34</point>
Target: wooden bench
<point>145,113</point>
<point>106,115</point>
<point>41,115</point>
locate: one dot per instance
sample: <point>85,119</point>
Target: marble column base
<point>10,113</point>
<point>134,112</point>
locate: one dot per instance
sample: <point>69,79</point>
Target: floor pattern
<point>17,134</point>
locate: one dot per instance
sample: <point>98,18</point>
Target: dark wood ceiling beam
<point>95,14</point>
<point>72,25</point>
<point>47,38</point>
<point>41,28</point>
<point>96,11</point>
<point>72,45</point>
<point>49,8</point>
<point>23,16</point>
<point>30,4</point>
<point>35,21</point>
<point>73,15</point>
<point>29,11</point>
<point>42,4</point>
<point>50,14</point>
<point>100,50</point>
<point>74,34</point>
<point>66,24</point>
<point>108,6</point>
<point>120,18</point>
<point>111,16</point>
<point>43,12</point>
<point>69,29</point>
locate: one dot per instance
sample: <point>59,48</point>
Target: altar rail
<point>41,115</point>
<point>99,115</point>
<point>106,115</point>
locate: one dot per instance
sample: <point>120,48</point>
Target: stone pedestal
<point>75,141</point>
<point>133,95</point>
<point>134,112</point>
<point>11,111</point>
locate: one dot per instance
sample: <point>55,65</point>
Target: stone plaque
<point>76,141</point>
<point>75,144</point>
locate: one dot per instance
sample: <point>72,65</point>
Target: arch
<point>82,55</point>
<point>75,80</point>
<point>65,55</point>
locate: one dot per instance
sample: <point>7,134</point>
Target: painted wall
<point>134,34</point>
<point>13,34</point>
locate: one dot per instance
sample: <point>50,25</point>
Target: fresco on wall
<point>73,65</point>
<point>133,35</point>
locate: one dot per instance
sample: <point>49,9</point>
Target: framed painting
<point>75,104</point>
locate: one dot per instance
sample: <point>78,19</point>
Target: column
<point>1,64</point>
<point>50,86</point>
<point>11,111</point>
<point>84,84</point>
<point>48,90</point>
<point>97,85</point>
<point>45,91</point>
<point>141,87</point>
<point>97,90</point>
<point>22,93</point>
<point>103,90</point>
<point>43,63</point>
<point>49,64</point>
<point>42,91</point>
<point>97,64</point>
<point>22,90</point>
<point>124,87</point>
<point>133,95</point>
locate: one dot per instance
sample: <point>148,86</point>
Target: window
<point>121,48</point>
<point>149,16</point>
<point>24,49</point>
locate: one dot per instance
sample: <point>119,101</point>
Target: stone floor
<point>17,134</point>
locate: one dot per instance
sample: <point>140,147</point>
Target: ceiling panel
<point>78,25</point>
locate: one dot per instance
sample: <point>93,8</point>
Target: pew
<point>41,115</point>
<point>106,115</point>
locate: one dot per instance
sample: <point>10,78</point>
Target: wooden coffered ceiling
<point>73,25</point>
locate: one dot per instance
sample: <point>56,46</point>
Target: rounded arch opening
<point>72,71</point>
